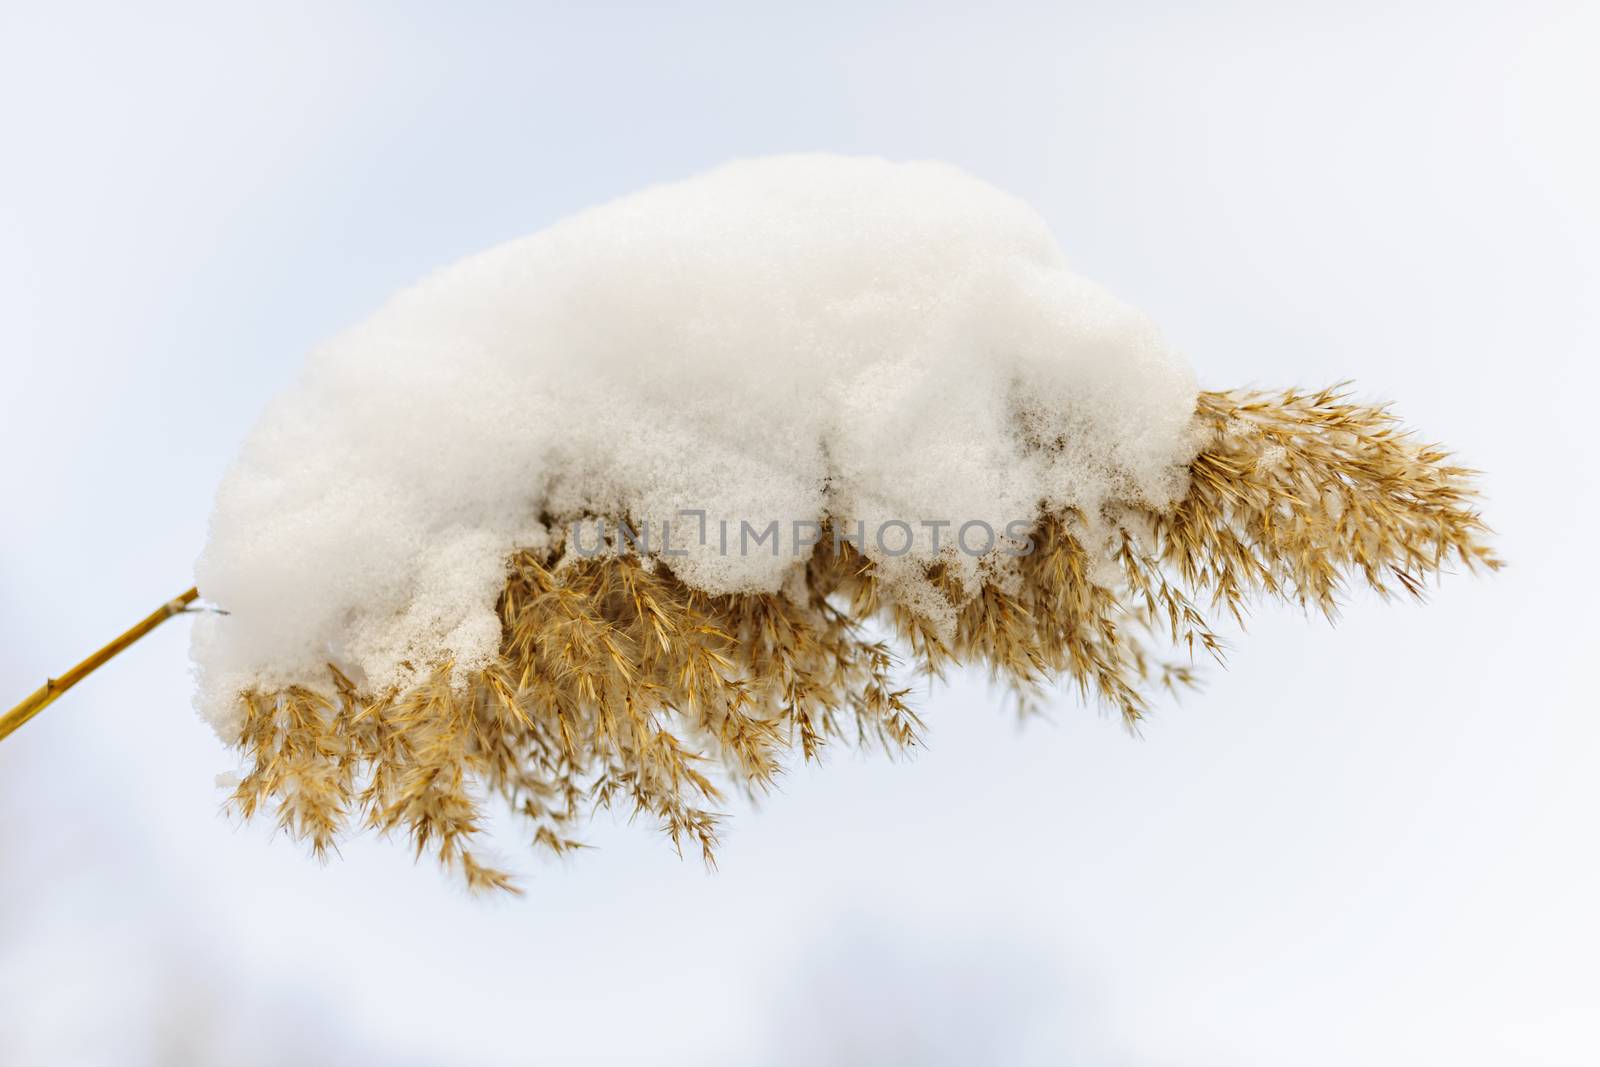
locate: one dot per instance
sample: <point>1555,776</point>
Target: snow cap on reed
<point>788,340</point>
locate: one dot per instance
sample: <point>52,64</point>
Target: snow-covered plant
<point>694,483</point>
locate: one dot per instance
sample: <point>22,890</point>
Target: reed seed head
<point>620,686</point>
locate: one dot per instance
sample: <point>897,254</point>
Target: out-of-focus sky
<point>1372,844</point>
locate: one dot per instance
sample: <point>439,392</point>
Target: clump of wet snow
<point>779,340</point>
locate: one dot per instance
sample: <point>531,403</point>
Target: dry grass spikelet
<point>619,686</point>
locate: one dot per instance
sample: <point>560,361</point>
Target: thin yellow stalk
<point>41,698</point>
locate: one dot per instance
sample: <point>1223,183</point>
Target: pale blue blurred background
<point>1373,844</point>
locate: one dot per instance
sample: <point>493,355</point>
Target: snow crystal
<point>780,340</point>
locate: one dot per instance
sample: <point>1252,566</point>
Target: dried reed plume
<point>617,685</point>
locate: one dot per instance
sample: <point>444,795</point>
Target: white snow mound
<point>781,339</point>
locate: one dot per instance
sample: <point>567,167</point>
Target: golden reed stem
<point>41,698</point>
